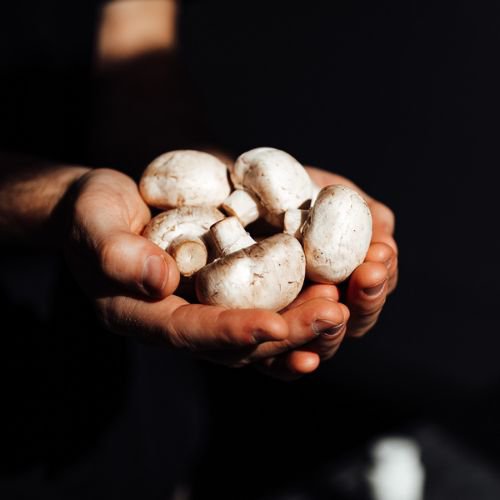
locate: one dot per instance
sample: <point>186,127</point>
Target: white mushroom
<point>336,234</point>
<point>185,177</point>
<point>274,178</point>
<point>268,274</point>
<point>181,232</point>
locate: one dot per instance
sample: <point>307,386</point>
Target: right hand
<point>131,281</point>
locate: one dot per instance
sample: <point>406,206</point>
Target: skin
<point>96,216</point>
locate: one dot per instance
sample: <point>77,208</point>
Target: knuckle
<point>232,337</point>
<point>367,311</point>
<point>361,326</point>
<point>329,353</point>
<point>178,339</point>
<point>328,347</point>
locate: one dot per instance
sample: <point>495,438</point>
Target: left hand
<point>364,297</point>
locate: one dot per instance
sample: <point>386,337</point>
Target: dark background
<point>401,97</point>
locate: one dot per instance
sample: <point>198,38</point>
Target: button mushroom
<point>268,274</point>
<point>275,181</point>
<point>181,232</point>
<point>336,234</point>
<point>185,177</point>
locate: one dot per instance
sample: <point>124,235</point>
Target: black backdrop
<point>401,97</point>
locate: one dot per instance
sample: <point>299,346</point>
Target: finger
<point>393,277</point>
<point>305,323</point>
<point>383,224</point>
<point>314,291</point>
<point>280,367</point>
<point>326,345</point>
<point>306,359</point>
<point>384,220</point>
<point>303,326</point>
<point>301,362</point>
<point>380,252</point>
<point>384,254</point>
<point>137,265</point>
<point>194,327</point>
<point>108,215</point>
<point>366,294</point>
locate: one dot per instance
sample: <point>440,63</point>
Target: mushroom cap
<point>186,222</point>
<point>185,177</point>
<point>276,178</point>
<point>267,275</point>
<point>336,234</point>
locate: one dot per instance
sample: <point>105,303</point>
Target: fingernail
<point>374,290</point>
<point>154,275</point>
<point>327,328</point>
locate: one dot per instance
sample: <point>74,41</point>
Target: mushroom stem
<point>189,253</point>
<point>230,236</point>
<point>293,222</point>
<point>244,205</point>
<point>182,232</point>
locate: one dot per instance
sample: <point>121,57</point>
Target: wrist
<point>61,203</point>
<point>30,192</point>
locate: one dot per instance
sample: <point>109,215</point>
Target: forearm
<point>30,193</point>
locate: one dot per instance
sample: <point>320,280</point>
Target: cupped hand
<point>131,282</point>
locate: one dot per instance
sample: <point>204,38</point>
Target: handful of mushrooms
<point>322,234</point>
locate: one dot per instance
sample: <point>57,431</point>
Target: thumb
<point>137,264</point>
